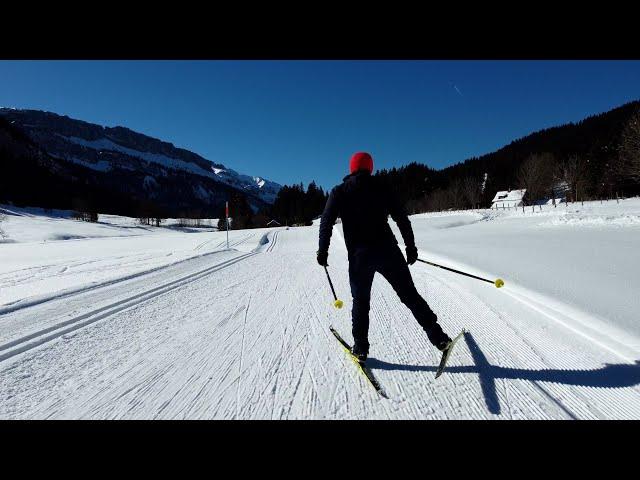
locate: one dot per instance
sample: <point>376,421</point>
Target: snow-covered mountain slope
<point>104,148</point>
<point>243,333</point>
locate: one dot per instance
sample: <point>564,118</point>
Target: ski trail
<point>37,300</point>
<point>251,340</point>
<point>60,328</point>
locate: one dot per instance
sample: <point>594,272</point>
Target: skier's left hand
<point>322,258</point>
<point>412,255</point>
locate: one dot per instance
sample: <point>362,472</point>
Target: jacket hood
<point>357,174</point>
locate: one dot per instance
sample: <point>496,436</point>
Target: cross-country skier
<point>363,202</point>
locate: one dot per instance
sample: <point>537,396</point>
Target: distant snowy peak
<point>104,148</point>
<point>269,190</point>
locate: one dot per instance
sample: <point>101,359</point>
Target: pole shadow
<point>609,376</point>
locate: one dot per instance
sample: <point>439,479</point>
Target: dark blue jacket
<point>363,202</point>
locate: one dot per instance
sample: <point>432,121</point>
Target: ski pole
<point>498,282</point>
<point>337,303</point>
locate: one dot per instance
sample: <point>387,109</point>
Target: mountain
<point>150,168</point>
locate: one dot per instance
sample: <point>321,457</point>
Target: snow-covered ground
<point>243,333</point>
<point>582,259</point>
<point>46,253</point>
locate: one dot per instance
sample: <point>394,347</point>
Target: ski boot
<point>444,345</point>
<point>359,354</point>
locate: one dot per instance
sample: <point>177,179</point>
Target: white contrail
<point>458,90</point>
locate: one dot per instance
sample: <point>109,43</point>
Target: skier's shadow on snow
<point>609,376</point>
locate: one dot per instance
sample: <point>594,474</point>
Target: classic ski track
<point>274,240</point>
<point>271,242</point>
<point>542,389</point>
<point>595,393</point>
<point>223,243</point>
<point>553,315</point>
<point>33,302</point>
<point>35,339</point>
<point>454,287</point>
<point>552,401</point>
<point>555,393</point>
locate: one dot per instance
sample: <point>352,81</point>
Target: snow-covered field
<point>582,259</point>
<point>132,322</point>
<point>46,254</point>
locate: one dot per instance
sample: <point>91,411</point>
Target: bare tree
<point>536,175</point>
<point>456,193</point>
<point>572,172</point>
<point>186,222</point>
<point>191,220</point>
<point>472,191</point>
<point>84,210</point>
<point>629,160</point>
<point>438,200</point>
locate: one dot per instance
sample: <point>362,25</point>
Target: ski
<point>447,353</point>
<point>366,371</point>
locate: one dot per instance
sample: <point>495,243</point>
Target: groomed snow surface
<point>115,320</point>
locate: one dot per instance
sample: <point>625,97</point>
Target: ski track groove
<point>28,303</point>
<point>24,344</point>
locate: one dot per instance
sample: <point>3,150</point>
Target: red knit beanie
<point>361,160</point>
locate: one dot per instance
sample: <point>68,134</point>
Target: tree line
<point>294,205</point>
<point>596,158</point>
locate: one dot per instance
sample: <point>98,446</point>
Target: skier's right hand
<point>412,255</point>
<point>322,258</point>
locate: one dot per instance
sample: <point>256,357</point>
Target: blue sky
<point>296,121</point>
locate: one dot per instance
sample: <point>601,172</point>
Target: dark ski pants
<point>391,264</point>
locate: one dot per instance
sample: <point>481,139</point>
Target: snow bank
<point>583,257</point>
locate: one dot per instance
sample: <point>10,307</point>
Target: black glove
<point>322,258</point>
<point>412,255</point>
